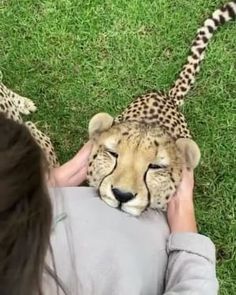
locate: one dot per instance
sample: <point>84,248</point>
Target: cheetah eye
<point>113,154</point>
<point>156,166</point>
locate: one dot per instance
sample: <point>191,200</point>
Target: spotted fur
<point>126,164</point>
<point>14,106</point>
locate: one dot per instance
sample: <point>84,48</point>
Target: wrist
<point>56,178</point>
<point>183,217</point>
<point>51,179</point>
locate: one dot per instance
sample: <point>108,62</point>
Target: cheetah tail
<point>191,68</point>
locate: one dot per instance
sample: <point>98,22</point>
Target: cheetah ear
<point>190,151</point>
<point>100,122</point>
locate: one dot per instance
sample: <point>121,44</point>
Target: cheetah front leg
<point>45,143</point>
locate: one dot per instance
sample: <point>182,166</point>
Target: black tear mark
<point>106,177</point>
<point>148,195</point>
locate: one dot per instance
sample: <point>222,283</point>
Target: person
<point>65,240</point>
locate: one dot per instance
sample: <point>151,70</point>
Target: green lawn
<point>75,58</point>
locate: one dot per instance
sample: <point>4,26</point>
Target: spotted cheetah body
<point>158,109</point>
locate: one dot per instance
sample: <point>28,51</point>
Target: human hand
<point>73,172</point>
<point>180,211</point>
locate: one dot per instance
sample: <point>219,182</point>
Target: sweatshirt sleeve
<point>191,265</point>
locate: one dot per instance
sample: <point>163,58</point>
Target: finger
<point>186,184</point>
<point>187,175</point>
<point>187,171</point>
<point>84,153</point>
<point>87,146</point>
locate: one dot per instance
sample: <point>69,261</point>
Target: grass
<point>75,58</point>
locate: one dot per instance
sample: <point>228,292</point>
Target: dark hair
<point>25,211</point>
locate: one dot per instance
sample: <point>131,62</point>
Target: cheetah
<point>137,158</point>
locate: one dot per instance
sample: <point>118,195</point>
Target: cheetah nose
<point>121,196</point>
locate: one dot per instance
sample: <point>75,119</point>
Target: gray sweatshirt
<point>99,250</point>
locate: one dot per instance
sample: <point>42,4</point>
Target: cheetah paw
<point>28,106</point>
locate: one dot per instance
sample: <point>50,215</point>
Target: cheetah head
<point>136,165</point>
